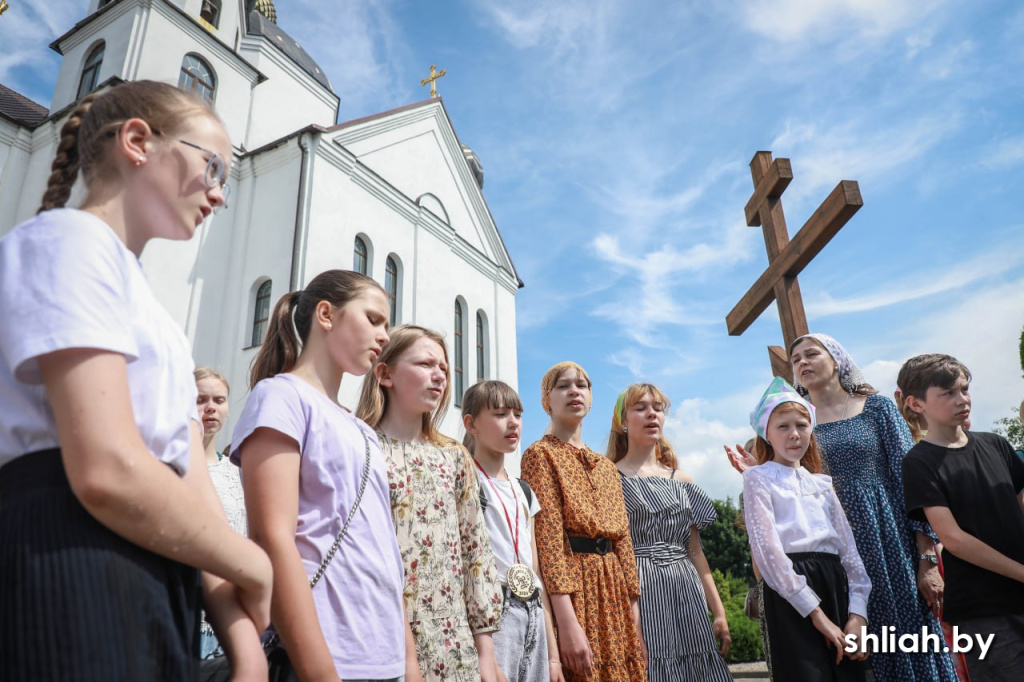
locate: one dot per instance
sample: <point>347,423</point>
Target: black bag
<point>217,669</point>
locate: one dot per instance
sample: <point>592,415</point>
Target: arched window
<point>261,314</point>
<point>481,347</point>
<point>91,70</point>
<point>391,287</point>
<point>210,12</point>
<point>360,256</point>
<point>458,365</point>
<point>197,76</point>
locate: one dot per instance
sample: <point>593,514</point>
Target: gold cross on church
<point>786,258</point>
<point>432,79</point>
<point>3,7</point>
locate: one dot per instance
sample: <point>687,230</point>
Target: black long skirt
<point>797,652</point>
<point>77,601</point>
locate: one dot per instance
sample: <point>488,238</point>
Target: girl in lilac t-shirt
<point>302,457</point>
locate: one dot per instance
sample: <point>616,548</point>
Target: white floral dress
<point>451,585</point>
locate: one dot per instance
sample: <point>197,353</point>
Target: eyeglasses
<point>216,173</point>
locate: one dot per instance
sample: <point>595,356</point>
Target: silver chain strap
<point>273,641</point>
<point>344,529</point>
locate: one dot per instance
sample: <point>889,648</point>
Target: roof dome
<point>474,164</point>
<point>266,8</point>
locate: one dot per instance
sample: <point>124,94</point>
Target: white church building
<point>394,195</point>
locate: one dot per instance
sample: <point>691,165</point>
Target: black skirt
<point>796,650</point>
<point>77,601</point>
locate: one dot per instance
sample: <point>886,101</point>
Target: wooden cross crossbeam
<point>432,79</point>
<point>786,258</point>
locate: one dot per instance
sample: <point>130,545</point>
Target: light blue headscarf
<point>778,392</point>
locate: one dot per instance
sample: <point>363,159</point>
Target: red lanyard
<point>508,519</point>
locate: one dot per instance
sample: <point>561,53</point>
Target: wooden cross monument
<point>786,259</point>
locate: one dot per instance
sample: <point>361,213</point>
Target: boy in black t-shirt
<point>967,485</point>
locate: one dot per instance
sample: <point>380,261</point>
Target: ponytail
<point>65,164</point>
<point>281,346</point>
<point>293,317</point>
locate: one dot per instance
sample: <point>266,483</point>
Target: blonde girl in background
<point>525,645</point>
<point>667,511</point>
<point>311,469</point>
<point>586,556</point>
<point>106,506</point>
<point>212,403</point>
<point>452,594</point>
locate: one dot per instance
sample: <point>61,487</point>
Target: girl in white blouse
<point>815,581</point>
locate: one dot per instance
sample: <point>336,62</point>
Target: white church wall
<point>307,101</point>
<point>386,148</point>
<point>180,37</point>
<point>116,28</point>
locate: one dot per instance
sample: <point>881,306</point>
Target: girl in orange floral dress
<point>582,533</point>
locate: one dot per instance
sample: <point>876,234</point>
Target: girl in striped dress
<point>667,510</point>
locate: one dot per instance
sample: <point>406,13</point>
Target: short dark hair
<point>921,372</point>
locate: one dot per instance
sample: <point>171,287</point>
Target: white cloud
<point>823,21</point>
<point>921,285</point>
<point>861,148</point>
<point>1004,153</point>
<point>698,429</point>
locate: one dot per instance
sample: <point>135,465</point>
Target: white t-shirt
<point>498,528</point>
<point>67,281</point>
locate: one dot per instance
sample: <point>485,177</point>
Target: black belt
<point>591,545</point>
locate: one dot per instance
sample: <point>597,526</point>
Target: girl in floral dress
<point>583,543</point>
<point>452,594</point>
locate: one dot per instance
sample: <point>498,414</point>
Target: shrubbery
<point>746,633</point>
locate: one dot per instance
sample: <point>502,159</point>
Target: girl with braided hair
<point>106,506</point>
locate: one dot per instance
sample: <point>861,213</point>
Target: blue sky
<point>616,137</point>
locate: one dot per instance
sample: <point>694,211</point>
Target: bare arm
<point>970,548</point>
<point>235,630</point>
<point>123,486</point>
<point>270,467</point>
<point>554,660</point>
<point>720,625</point>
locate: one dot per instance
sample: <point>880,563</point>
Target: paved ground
<point>749,671</point>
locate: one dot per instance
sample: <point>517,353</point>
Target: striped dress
<point>673,610</point>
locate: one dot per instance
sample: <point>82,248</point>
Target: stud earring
<point>140,160</point>
<point>625,430</point>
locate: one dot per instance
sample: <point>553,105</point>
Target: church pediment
<point>415,149</point>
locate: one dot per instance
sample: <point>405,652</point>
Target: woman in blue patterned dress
<point>667,511</point>
<point>863,439</point>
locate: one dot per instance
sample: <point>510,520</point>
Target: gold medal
<point>520,581</point>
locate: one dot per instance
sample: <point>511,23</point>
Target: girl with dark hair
<point>313,472</point>
<point>452,593</point>
<point>863,440</point>
<point>106,506</point>
<point>667,511</point>
<point>525,645</point>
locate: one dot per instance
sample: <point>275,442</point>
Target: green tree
<point>1011,429</point>
<point>725,543</point>
<point>745,632</point>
